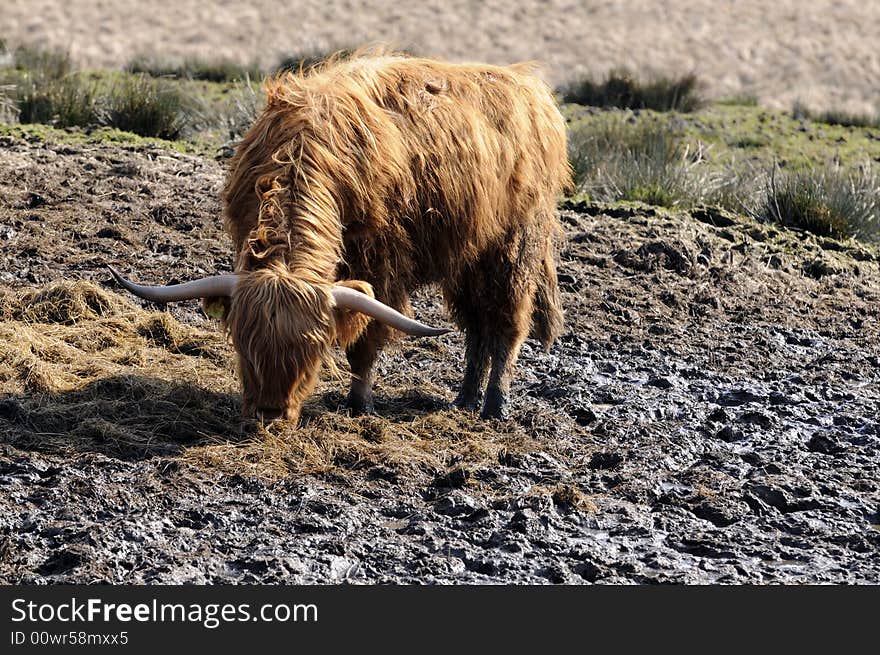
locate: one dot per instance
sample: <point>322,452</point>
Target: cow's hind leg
<point>463,300</point>
<point>493,303</point>
<point>509,300</point>
<point>476,360</point>
<point>505,346</point>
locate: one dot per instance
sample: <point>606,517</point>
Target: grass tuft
<point>623,90</point>
<point>68,101</point>
<point>827,202</point>
<point>146,106</point>
<point>614,159</point>
<point>43,63</point>
<point>65,303</point>
<point>739,100</point>
<point>218,70</point>
<point>836,117</point>
<point>309,59</point>
<point>8,106</point>
<point>243,104</point>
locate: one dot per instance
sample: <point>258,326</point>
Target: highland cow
<point>366,179</point>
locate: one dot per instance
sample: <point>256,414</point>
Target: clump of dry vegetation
<point>615,159</point>
<point>146,106</point>
<point>79,365</point>
<point>64,303</point>
<point>215,70</point>
<point>624,90</point>
<point>570,496</point>
<point>836,116</point>
<point>827,201</point>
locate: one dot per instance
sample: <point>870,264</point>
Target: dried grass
<point>84,370</point>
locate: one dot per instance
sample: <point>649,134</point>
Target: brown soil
<point>710,413</point>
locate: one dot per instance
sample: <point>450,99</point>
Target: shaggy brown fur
<point>395,172</point>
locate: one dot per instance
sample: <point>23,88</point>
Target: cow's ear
<point>351,325</point>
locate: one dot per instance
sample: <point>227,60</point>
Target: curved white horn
<point>348,298</point>
<point>209,287</point>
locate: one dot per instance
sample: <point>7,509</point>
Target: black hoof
<point>466,402</point>
<point>358,405</point>
<point>500,413</point>
<point>495,405</point>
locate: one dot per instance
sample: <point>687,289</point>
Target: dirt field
<point>709,415</point>
<point>821,52</point>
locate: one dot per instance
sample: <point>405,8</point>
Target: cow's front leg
<point>361,357</point>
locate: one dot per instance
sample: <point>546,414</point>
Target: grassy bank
<point>653,140</point>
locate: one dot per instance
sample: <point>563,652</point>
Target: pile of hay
<point>85,370</point>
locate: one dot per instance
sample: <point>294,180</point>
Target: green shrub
<point>739,100</point>
<point>41,63</point>
<point>828,202</point>
<point>219,70</point>
<point>310,58</point>
<point>243,105</point>
<point>835,117</point>
<point>613,159</point>
<point>146,106</point>
<point>623,90</point>
<point>63,102</point>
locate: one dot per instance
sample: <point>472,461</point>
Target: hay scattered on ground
<point>334,443</point>
<point>83,369</point>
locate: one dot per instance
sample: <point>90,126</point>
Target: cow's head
<point>282,328</point>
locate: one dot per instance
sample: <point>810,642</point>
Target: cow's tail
<point>547,316</point>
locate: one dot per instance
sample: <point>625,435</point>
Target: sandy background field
<point>822,52</point>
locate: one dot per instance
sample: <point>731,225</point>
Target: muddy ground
<point>710,414</point>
